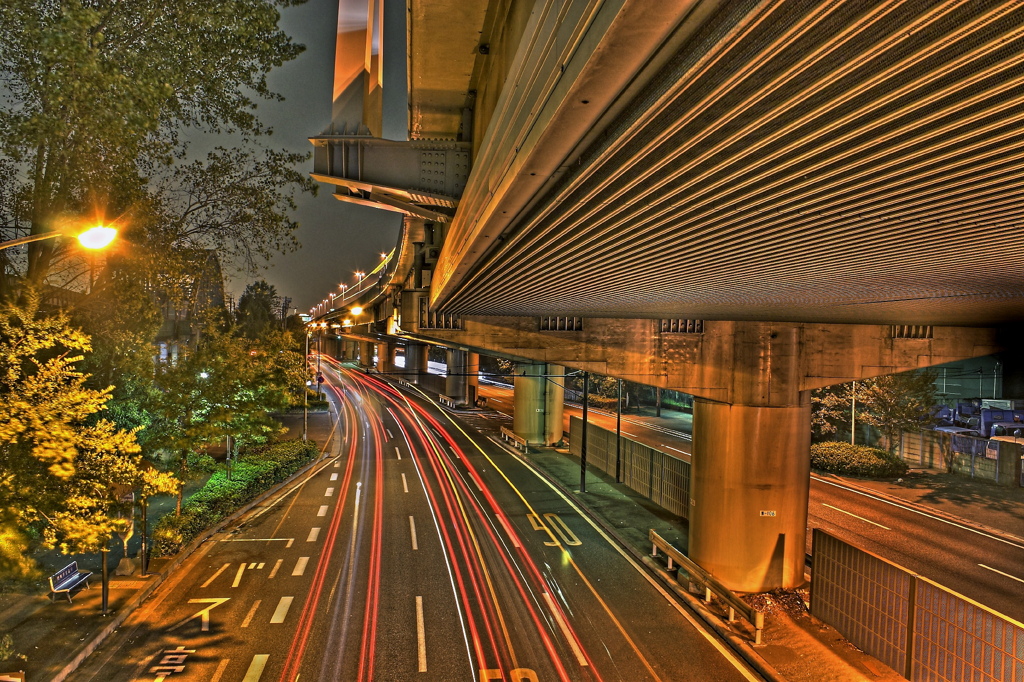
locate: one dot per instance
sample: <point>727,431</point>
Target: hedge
<point>857,460</point>
<point>256,471</point>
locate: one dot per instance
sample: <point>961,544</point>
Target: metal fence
<point>919,628</point>
<point>991,460</point>
<point>658,476</point>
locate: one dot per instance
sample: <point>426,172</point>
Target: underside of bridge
<point>739,199</point>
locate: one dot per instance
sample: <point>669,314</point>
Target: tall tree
<point>257,309</point>
<point>897,403</point>
<point>92,86</point>
<point>57,463</point>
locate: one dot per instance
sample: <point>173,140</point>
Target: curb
<point>738,644</point>
<point>179,558</point>
<point>832,478</point>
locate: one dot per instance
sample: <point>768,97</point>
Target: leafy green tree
<point>897,403</point>
<point>227,386</point>
<point>93,86</point>
<point>59,467</point>
<point>257,309</point>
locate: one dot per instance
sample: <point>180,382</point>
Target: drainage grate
<point>682,326</point>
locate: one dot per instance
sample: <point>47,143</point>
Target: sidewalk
<point>56,636</point>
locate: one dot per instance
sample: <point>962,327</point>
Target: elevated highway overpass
<point>742,200</point>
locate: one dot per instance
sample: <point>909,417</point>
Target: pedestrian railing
<point>446,401</point>
<point>712,588</point>
<point>517,441</point>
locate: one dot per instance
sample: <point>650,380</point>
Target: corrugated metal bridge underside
<point>795,161</point>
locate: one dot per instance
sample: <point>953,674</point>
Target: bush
<point>257,470</point>
<point>858,460</point>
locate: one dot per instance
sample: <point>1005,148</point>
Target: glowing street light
<point>97,237</point>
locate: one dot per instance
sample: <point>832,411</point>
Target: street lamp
<point>96,237</point>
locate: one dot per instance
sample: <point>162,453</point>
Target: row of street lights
<point>328,303</point>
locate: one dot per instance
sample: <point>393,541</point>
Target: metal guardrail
<point>517,441</point>
<point>445,400</point>
<point>711,586</point>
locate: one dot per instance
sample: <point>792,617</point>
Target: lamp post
<point>305,390</point>
<point>94,238</point>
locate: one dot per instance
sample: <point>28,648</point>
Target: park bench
<point>67,579</point>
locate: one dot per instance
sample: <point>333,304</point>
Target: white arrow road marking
<point>204,615</point>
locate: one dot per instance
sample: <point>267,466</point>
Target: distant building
<point>186,299</point>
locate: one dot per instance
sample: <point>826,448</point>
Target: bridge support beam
<point>539,397</point>
<point>749,486</point>
<point>456,385</point>
<point>415,361</point>
<point>385,357</point>
<point>366,353</point>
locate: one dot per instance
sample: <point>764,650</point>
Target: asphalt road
<point>985,567</point>
<point>415,549</point>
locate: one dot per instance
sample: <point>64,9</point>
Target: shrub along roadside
<point>858,460</point>
<point>256,471</point>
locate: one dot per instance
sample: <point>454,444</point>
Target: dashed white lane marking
<point>421,639</point>
<point>565,630</point>
<point>405,484</point>
<point>676,449</point>
<point>389,434</point>
<point>511,535</point>
<point>219,672</point>
<point>412,531</point>
<point>300,565</point>
<point>996,570</point>
<point>399,453</point>
<point>314,533</point>
<point>843,511</point>
<point>252,612</point>
<point>323,510</point>
<point>334,477</point>
<point>290,541</point>
<point>238,576</point>
<point>277,566</point>
<point>214,576</point>
<point>281,612</point>
<point>329,493</point>
<point>255,671</point>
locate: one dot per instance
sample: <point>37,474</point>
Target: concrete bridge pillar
<point>749,486</point>
<point>472,378</point>
<point>415,361</point>
<point>538,402</point>
<point>385,360</point>
<point>366,349</point>
<point>456,385</point>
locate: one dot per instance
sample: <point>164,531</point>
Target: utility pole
<point>618,433</point>
<point>583,445</point>
<point>853,415</point>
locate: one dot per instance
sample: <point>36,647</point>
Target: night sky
<point>337,239</point>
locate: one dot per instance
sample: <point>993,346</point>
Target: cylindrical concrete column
<point>455,384</point>
<point>415,361</point>
<point>554,404</point>
<point>749,482</point>
<point>383,355</point>
<point>472,377</point>
<point>366,349</point>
